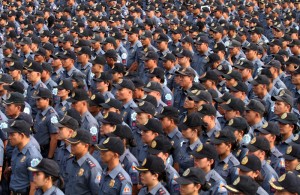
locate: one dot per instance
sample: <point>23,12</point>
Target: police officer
<point>193,181</point>
<point>287,123</point>
<point>125,95</point>
<point>24,155</point>
<point>95,109</point>
<point>288,183</point>
<point>64,89</point>
<point>45,132</point>
<point>104,84</point>
<point>271,131</point>
<point>240,128</point>
<point>79,100</point>
<point>46,174</point>
<point>46,76</point>
<point>162,147</point>
<point>226,163</point>
<point>151,174</point>
<point>114,179</point>
<point>291,157</point>
<point>155,89</point>
<point>190,129</point>
<point>66,127</point>
<point>245,185</point>
<point>83,172</point>
<point>169,120</point>
<point>204,158</point>
<point>34,78</point>
<point>127,159</point>
<point>260,147</point>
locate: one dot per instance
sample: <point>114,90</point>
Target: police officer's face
<point>101,86</point>
<point>250,54</point>
<point>64,133</point>
<point>142,118</point>
<point>62,92</point>
<point>15,138</point>
<point>107,156</point>
<point>148,136</point>
<point>39,179</point>
<point>33,76</point>
<point>254,37</point>
<point>41,103</point>
<point>296,79</point>
<point>14,73</point>
<point>222,148</point>
<point>290,165</point>
<point>189,189</point>
<point>281,107</point>
<point>166,122</point>
<point>189,133</point>
<point>147,178</point>
<point>230,114</point>
<point>202,163</point>
<point>78,149</point>
<point>189,103</point>
<point>123,94</point>
<point>168,64</point>
<point>77,105</point>
<point>250,116</point>
<point>285,129</point>
<point>12,109</point>
<point>106,129</point>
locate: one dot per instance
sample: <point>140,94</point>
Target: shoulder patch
<point>161,191</point>
<point>90,163</point>
<point>121,177</point>
<point>34,162</point>
<point>168,97</point>
<point>127,189</point>
<point>54,119</point>
<point>93,130</point>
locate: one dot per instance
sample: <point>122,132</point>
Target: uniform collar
<point>26,147</point>
<point>155,189</point>
<point>195,144</point>
<point>173,133</point>
<point>82,159</point>
<point>255,126</point>
<point>50,191</point>
<point>226,160</point>
<point>84,115</point>
<point>128,104</point>
<point>123,155</point>
<point>115,171</point>
<point>37,84</point>
<point>44,112</point>
<point>69,73</point>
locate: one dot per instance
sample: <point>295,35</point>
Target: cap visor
<point>183,181</point>
<point>137,110</point>
<point>282,121</point>
<point>252,148</point>
<point>219,100</point>
<point>140,168</point>
<point>71,100</point>
<point>183,126</point>
<point>105,105</point>
<point>117,86</point>
<point>197,155</point>
<point>217,141</point>
<point>9,130</point>
<point>226,107</point>
<point>226,76</point>
<point>289,157</point>
<point>153,151</point>
<point>100,147</point>
<point>33,169</point>
<point>73,141</point>
<point>142,127</point>
<point>231,189</point>
<point>276,185</point>
<point>263,131</point>
<point>244,168</point>
<point>7,87</point>
<point>58,125</point>
<point>275,98</point>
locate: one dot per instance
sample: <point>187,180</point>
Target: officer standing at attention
<point>226,163</point>
<point>34,78</point>
<point>79,99</point>
<point>114,180</point>
<point>204,158</point>
<point>151,173</point>
<point>162,147</point>
<point>83,172</point>
<point>45,131</point>
<point>46,175</point>
<point>260,147</point>
<point>125,95</point>
<point>193,181</point>
<point>66,127</point>
<point>24,155</point>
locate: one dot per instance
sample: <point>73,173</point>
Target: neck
<point>113,164</point>
<point>23,144</point>
<point>256,120</point>
<point>84,110</point>
<point>223,156</point>
<point>125,101</point>
<point>264,93</point>
<point>151,186</point>
<point>211,126</point>
<point>47,186</point>
<point>79,156</point>
<point>286,136</point>
<point>170,128</point>
<point>35,82</point>
<point>193,139</point>
<point>45,78</point>
<point>206,169</point>
<point>56,68</point>
<point>64,97</point>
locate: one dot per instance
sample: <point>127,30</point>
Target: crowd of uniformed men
<point>149,97</point>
